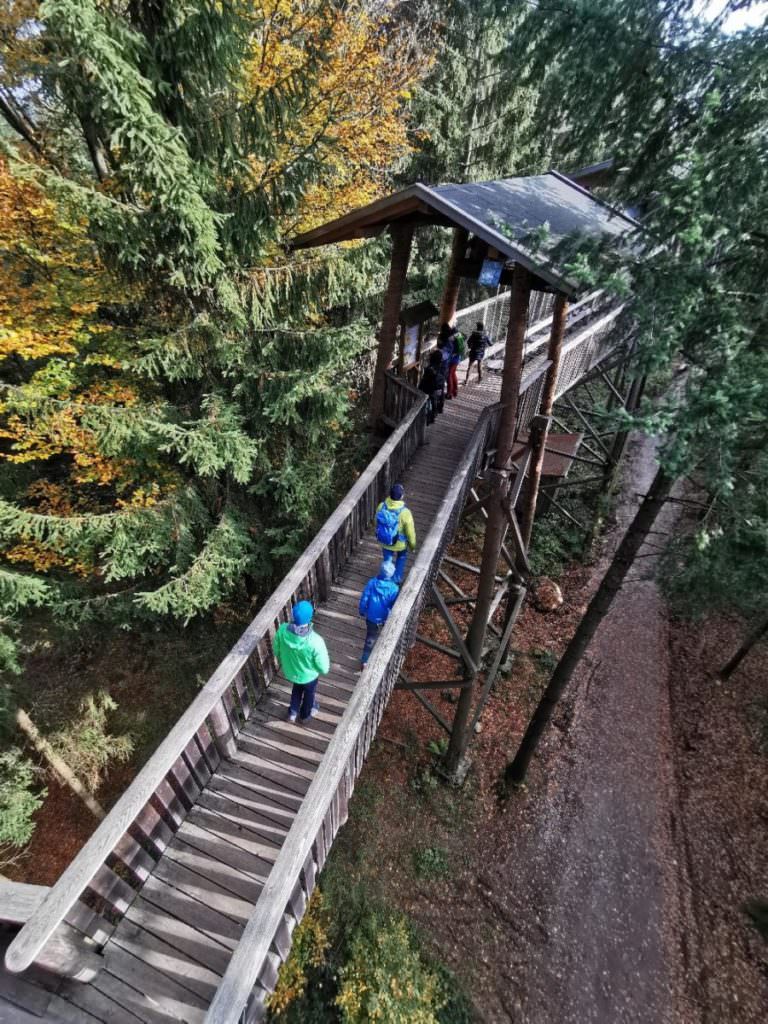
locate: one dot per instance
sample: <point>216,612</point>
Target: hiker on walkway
<point>302,657</point>
<point>432,384</point>
<point>376,603</point>
<point>395,531</point>
<point>451,343</point>
<point>477,343</point>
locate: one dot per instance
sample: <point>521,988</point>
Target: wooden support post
<point>452,279</point>
<point>496,522</point>
<point>513,611</point>
<point>557,333</point>
<point>402,237</point>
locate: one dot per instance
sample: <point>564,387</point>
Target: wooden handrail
<point>75,879</point>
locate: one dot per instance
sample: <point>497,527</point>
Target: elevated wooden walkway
<point>221,835</point>
<point>166,957</point>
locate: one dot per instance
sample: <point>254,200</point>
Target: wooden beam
<point>539,440</point>
<point>438,647</point>
<point>430,707</point>
<point>506,636</point>
<point>402,237</point>
<point>495,525</point>
<point>452,278</point>
<point>442,684</point>
<point>66,953</point>
<point>454,629</point>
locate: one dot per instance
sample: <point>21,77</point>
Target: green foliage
<point>430,863</point>
<point>309,947</point>
<point>721,562</point>
<point>555,544</point>
<point>87,747</point>
<point>679,106</point>
<point>20,797</point>
<point>210,419</point>
<point>757,910</point>
<point>545,660</point>
<point>385,979</point>
<point>438,747</point>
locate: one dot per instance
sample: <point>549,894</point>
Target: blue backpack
<point>387,523</point>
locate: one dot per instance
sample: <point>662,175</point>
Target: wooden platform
<point>164,961</point>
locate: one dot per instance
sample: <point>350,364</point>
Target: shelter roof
<point>508,214</point>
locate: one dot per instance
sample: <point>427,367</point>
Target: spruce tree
<point>222,386</point>
<point>679,106</point>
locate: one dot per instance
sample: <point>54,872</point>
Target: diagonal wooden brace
<point>454,629</point>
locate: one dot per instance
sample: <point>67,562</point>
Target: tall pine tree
<point>210,394</point>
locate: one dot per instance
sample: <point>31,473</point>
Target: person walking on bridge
<point>375,605</point>
<point>302,656</point>
<point>395,531</point>
<point>477,343</point>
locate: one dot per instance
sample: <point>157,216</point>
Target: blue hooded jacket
<point>377,599</point>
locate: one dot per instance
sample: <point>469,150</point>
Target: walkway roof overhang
<point>506,214</point>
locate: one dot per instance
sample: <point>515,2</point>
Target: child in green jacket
<point>302,657</point>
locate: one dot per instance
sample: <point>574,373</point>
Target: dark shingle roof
<point>510,215</point>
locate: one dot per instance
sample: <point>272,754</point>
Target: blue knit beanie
<point>386,570</point>
<point>397,492</point>
<point>302,613</point>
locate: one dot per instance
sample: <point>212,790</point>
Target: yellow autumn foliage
<point>354,122</point>
<point>309,946</point>
<point>53,283</point>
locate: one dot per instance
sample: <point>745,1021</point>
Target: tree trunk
<point>43,747</point>
<point>557,333</point>
<point>402,236</point>
<point>495,525</point>
<point>598,607</point>
<point>750,640</point>
<point>452,279</point>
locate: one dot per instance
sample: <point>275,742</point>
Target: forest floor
<point>612,888</point>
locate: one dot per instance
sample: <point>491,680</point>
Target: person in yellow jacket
<point>395,531</point>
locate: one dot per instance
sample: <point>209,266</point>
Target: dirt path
<point>593,871</point>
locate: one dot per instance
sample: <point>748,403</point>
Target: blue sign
<point>490,273</point>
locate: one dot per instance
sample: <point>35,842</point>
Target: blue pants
<point>303,699</point>
<point>372,631</point>
<point>399,558</point>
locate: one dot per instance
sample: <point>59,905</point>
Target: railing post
<point>559,319</point>
<point>221,730</point>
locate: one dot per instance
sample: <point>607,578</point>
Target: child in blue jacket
<point>375,605</point>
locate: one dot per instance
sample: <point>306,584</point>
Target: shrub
<point>430,862</point>
<point>385,978</point>
<point>87,747</point>
<point>19,799</point>
<point>308,949</point>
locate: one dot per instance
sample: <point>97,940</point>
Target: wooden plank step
<point>220,875</point>
<point>227,831</point>
<point>231,858</point>
<point>242,815</point>
<point>176,873</point>
<point>151,995</point>
<point>85,1004</point>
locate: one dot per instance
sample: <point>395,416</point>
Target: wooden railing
<point>252,971</point>
<point>98,886</point>
<point>265,943</point>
